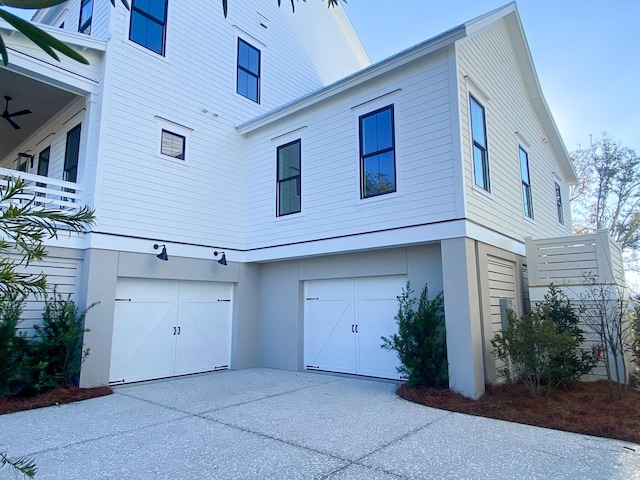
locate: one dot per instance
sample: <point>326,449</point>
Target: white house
<point>326,183</point>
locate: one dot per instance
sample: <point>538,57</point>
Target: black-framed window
<point>289,188</point>
<point>377,153</point>
<point>480,148</point>
<point>148,24</point>
<point>86,15</point>
<point>248,75</point>
<point>559,204</point>
<point>527,199</point>
<point>71,154</point>
<point>43,162</point>
<point>172,144</point>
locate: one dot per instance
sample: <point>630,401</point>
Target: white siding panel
<point>488,61</point>
<point>330,162</point>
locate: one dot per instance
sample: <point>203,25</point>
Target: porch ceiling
<point>27,94</point>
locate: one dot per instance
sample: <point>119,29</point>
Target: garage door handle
<point>174,330</point>
<point>356,328</point>
<point>352,328</point>
<point>178,330</point>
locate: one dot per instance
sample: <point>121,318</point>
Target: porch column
<point>462,314</point>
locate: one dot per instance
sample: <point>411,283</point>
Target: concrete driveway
<point>273,424</point>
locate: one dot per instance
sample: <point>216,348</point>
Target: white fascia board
<point>532,83</point>
<point>80,40</point>
<point>361,77</point>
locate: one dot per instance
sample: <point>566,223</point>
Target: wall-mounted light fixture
<point>223,259</point>
<point>163,254</point>
<point>26,156</point>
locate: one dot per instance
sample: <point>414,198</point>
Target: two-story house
<point>263,193</point>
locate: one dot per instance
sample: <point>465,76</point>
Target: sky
<point>586,53</point>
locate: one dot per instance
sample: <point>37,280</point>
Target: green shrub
<point>56,353</point>
<point>420,342</point>
<point>544,348</point>
<point>12,345</point>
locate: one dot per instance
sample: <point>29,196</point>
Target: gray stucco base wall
<point>282,292</point>
<point>101,270</point>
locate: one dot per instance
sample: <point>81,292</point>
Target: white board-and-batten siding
<point>330,164</point>
<point>488,69</point>
<point>201,199</point>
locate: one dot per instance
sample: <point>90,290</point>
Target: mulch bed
<point>57,396</point>
<point>583,407</point>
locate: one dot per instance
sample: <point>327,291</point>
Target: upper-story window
<point>248,77</point>
<point>288,195</point>
<point>86,14</point>
<point>72,154</point>
<point>527,200</point>
<point>377,153</point>
<point>172,144</point>
<point>559,204</point>
<point>148,24</point>
<point>480,150</point>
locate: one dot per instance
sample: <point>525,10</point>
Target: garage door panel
<point>205,337</point>
<point>376,320</point>
<point>143,341</point>
<point>329,342</point>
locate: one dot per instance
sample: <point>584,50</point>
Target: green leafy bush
<point>12,345</point>
<point>56,354</point>
<point>420,342</point>
<point>544,348</point>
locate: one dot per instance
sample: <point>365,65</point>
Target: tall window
<point>559,204</point>
<point>288,200</point>
<point>43,162</point>
<point>248,84</point>
<point>86,14</point>
<point>71,154</point>
<point>527,201</point>
<point>148,24</point>
<point>377,153</point>
<point>480,151</point>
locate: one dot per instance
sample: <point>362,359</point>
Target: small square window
<point>248,71</point>
<point>377,153</point>
<point>172,144</point>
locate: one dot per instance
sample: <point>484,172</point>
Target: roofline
<point>409,55</point>
<point>80,40</point>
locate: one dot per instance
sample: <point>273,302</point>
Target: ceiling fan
<point>8,116</point>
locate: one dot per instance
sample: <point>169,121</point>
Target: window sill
<point>174,161</point>
<point>371,202</point>
<point>290,217</point>
<point>482,193</point>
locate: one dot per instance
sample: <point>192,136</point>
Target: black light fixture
<point>26,156</point>
<point>223,259</point>
<point>163,254</point>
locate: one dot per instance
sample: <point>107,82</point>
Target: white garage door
<point>164,328</point>
<point>344,320</point>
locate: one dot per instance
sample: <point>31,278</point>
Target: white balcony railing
<point>50,193</point>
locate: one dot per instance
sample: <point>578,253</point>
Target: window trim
<point>298,176</point>
<point>363,156</point>
<point>486,170</point>
<point>257,76</point>
<point>559,204</point>
<point>162,124</point>
<point>86,25</point>
<point>163,23</point>
<point>526,192</point>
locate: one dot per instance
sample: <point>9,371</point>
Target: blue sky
<point>586,52</point>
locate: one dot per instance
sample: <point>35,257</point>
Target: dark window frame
<point>297,178</point>
<point>162,22</point>
<point>184,144</point>
<point>245,70</point>
<point>483,147</point>
<point>525,177</point>
<point>84,25</point>
<point>72,158</point>
<point>559,206</point>
<point>364,155</point>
